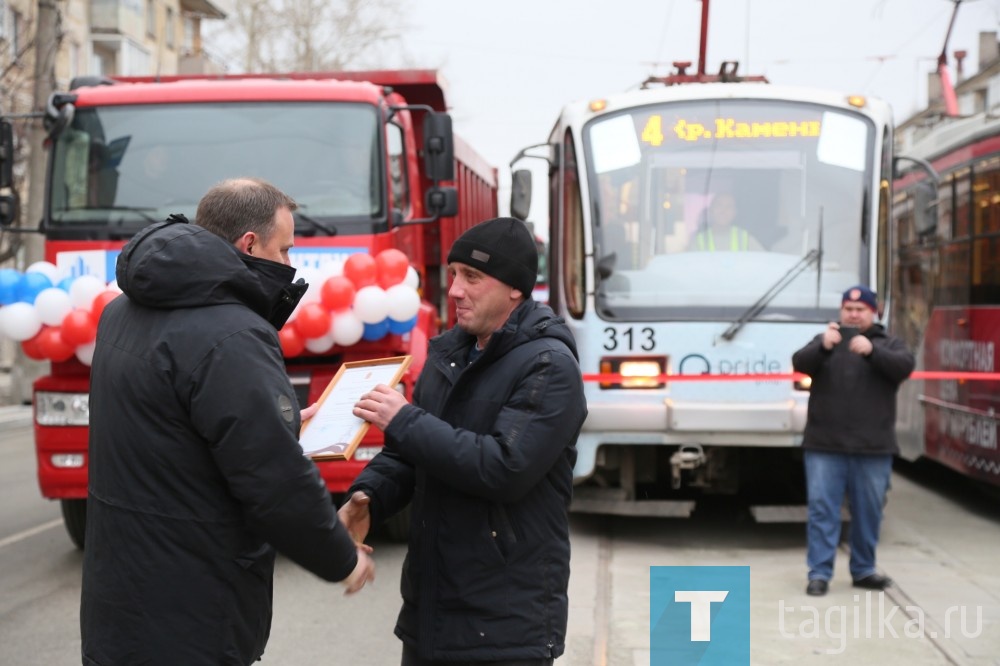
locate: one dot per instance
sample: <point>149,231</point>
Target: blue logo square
<point>699,615</point>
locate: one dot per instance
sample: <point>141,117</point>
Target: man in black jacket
<point>850,439</point>
<point>196,474</point>
<point>485,453</point>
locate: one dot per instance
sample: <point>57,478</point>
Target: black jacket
<point>487,452</point>
<point>852,400</point>
<point>195,466</point>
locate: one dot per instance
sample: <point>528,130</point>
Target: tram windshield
<point>700,208</point>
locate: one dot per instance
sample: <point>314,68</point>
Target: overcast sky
<point>511,65</point>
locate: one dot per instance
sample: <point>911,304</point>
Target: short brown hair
<point>236,206</point>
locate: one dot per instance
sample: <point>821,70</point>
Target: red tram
<point>946,273</point>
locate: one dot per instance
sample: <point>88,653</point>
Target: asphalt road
<point>940,543</point>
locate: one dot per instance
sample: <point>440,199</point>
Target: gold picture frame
<point>333,432</point>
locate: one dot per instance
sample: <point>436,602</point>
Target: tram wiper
<point>812,256</point>
<point>313,222</point>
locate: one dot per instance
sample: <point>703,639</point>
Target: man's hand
<point>356,517</point>
<point>831,336</point>
<point>364,571</point>
<point>309,412</point>
<point>860,345</point>
<point>380,405</point>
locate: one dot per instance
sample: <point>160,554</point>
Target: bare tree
<point>311,35</point>
<point>17,44</point>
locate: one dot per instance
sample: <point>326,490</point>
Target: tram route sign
<point>699,615</point>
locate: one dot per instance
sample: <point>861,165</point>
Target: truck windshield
<point>700,207</point>
<point>122,167</point>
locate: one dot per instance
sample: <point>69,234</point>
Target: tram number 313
<point>628,339</point>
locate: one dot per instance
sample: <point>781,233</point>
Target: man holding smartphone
<point>856,369</point>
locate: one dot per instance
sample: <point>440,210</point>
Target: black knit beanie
<point>501,247</point>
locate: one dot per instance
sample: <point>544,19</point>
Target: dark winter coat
<point>486,451</point>
<point>195,466</point>
<point>852,400</point>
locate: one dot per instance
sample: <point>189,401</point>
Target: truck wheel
<point>397,528</point>
<point>74,513</point>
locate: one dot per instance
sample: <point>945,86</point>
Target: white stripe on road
<point>21,536</point>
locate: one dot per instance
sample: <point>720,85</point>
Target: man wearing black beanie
<point>485,453</point>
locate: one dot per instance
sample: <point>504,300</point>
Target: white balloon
<point>85,353</point>
<point>46,268</point>
<point>347,329</point>
<point>371,305</point>
<point>113,286</point>
<point>412,278</point>
<point>52,306</point>
<point>20,321</point>
<point>319,345</point>
<point>84,289</point>
<point>404,302</point>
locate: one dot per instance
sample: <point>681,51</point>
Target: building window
<point>151,18</point>
<point>170,28</point>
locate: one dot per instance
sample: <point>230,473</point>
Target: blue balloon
<point>65,283</point>
<point>10,280</point>
<point>376,331</point>
<point>31,285</point>
<point>400,327</point>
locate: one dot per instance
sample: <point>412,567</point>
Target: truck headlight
<point>62,409</point>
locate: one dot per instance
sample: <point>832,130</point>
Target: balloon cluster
<point>54,317</point>
<point>365,298</point>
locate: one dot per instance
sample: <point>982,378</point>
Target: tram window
<point>953,286</point>
<point>985,271</point>
<point>963,210</point>
<point>799,178</point>
<point>986,207</point>
<point>986,226</point>
<point>944,207</point>
<point>572,232</point>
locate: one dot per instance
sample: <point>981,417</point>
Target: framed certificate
<point>334,432</point>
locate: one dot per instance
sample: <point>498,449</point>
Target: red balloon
<point>337,293</point>
<point>313,321</point>
<point>100,302</point>
<point>52,346</point>
<point>31,348</point>
<point>391,266</point>
<point>78,328</point>
<point>360,269</point>
<point>291,343</point>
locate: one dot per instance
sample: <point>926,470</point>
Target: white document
<point>334,432</point>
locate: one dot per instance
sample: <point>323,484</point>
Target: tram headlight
<point>636,371</point>
<point>803,384</point>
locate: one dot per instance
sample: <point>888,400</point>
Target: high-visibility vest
<point>739,240</point>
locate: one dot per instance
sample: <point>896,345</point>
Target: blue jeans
<point>864,479</point>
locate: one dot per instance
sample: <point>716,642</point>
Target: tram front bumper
<point>673,422</point>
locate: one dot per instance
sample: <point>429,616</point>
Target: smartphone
<point>848,332</point>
